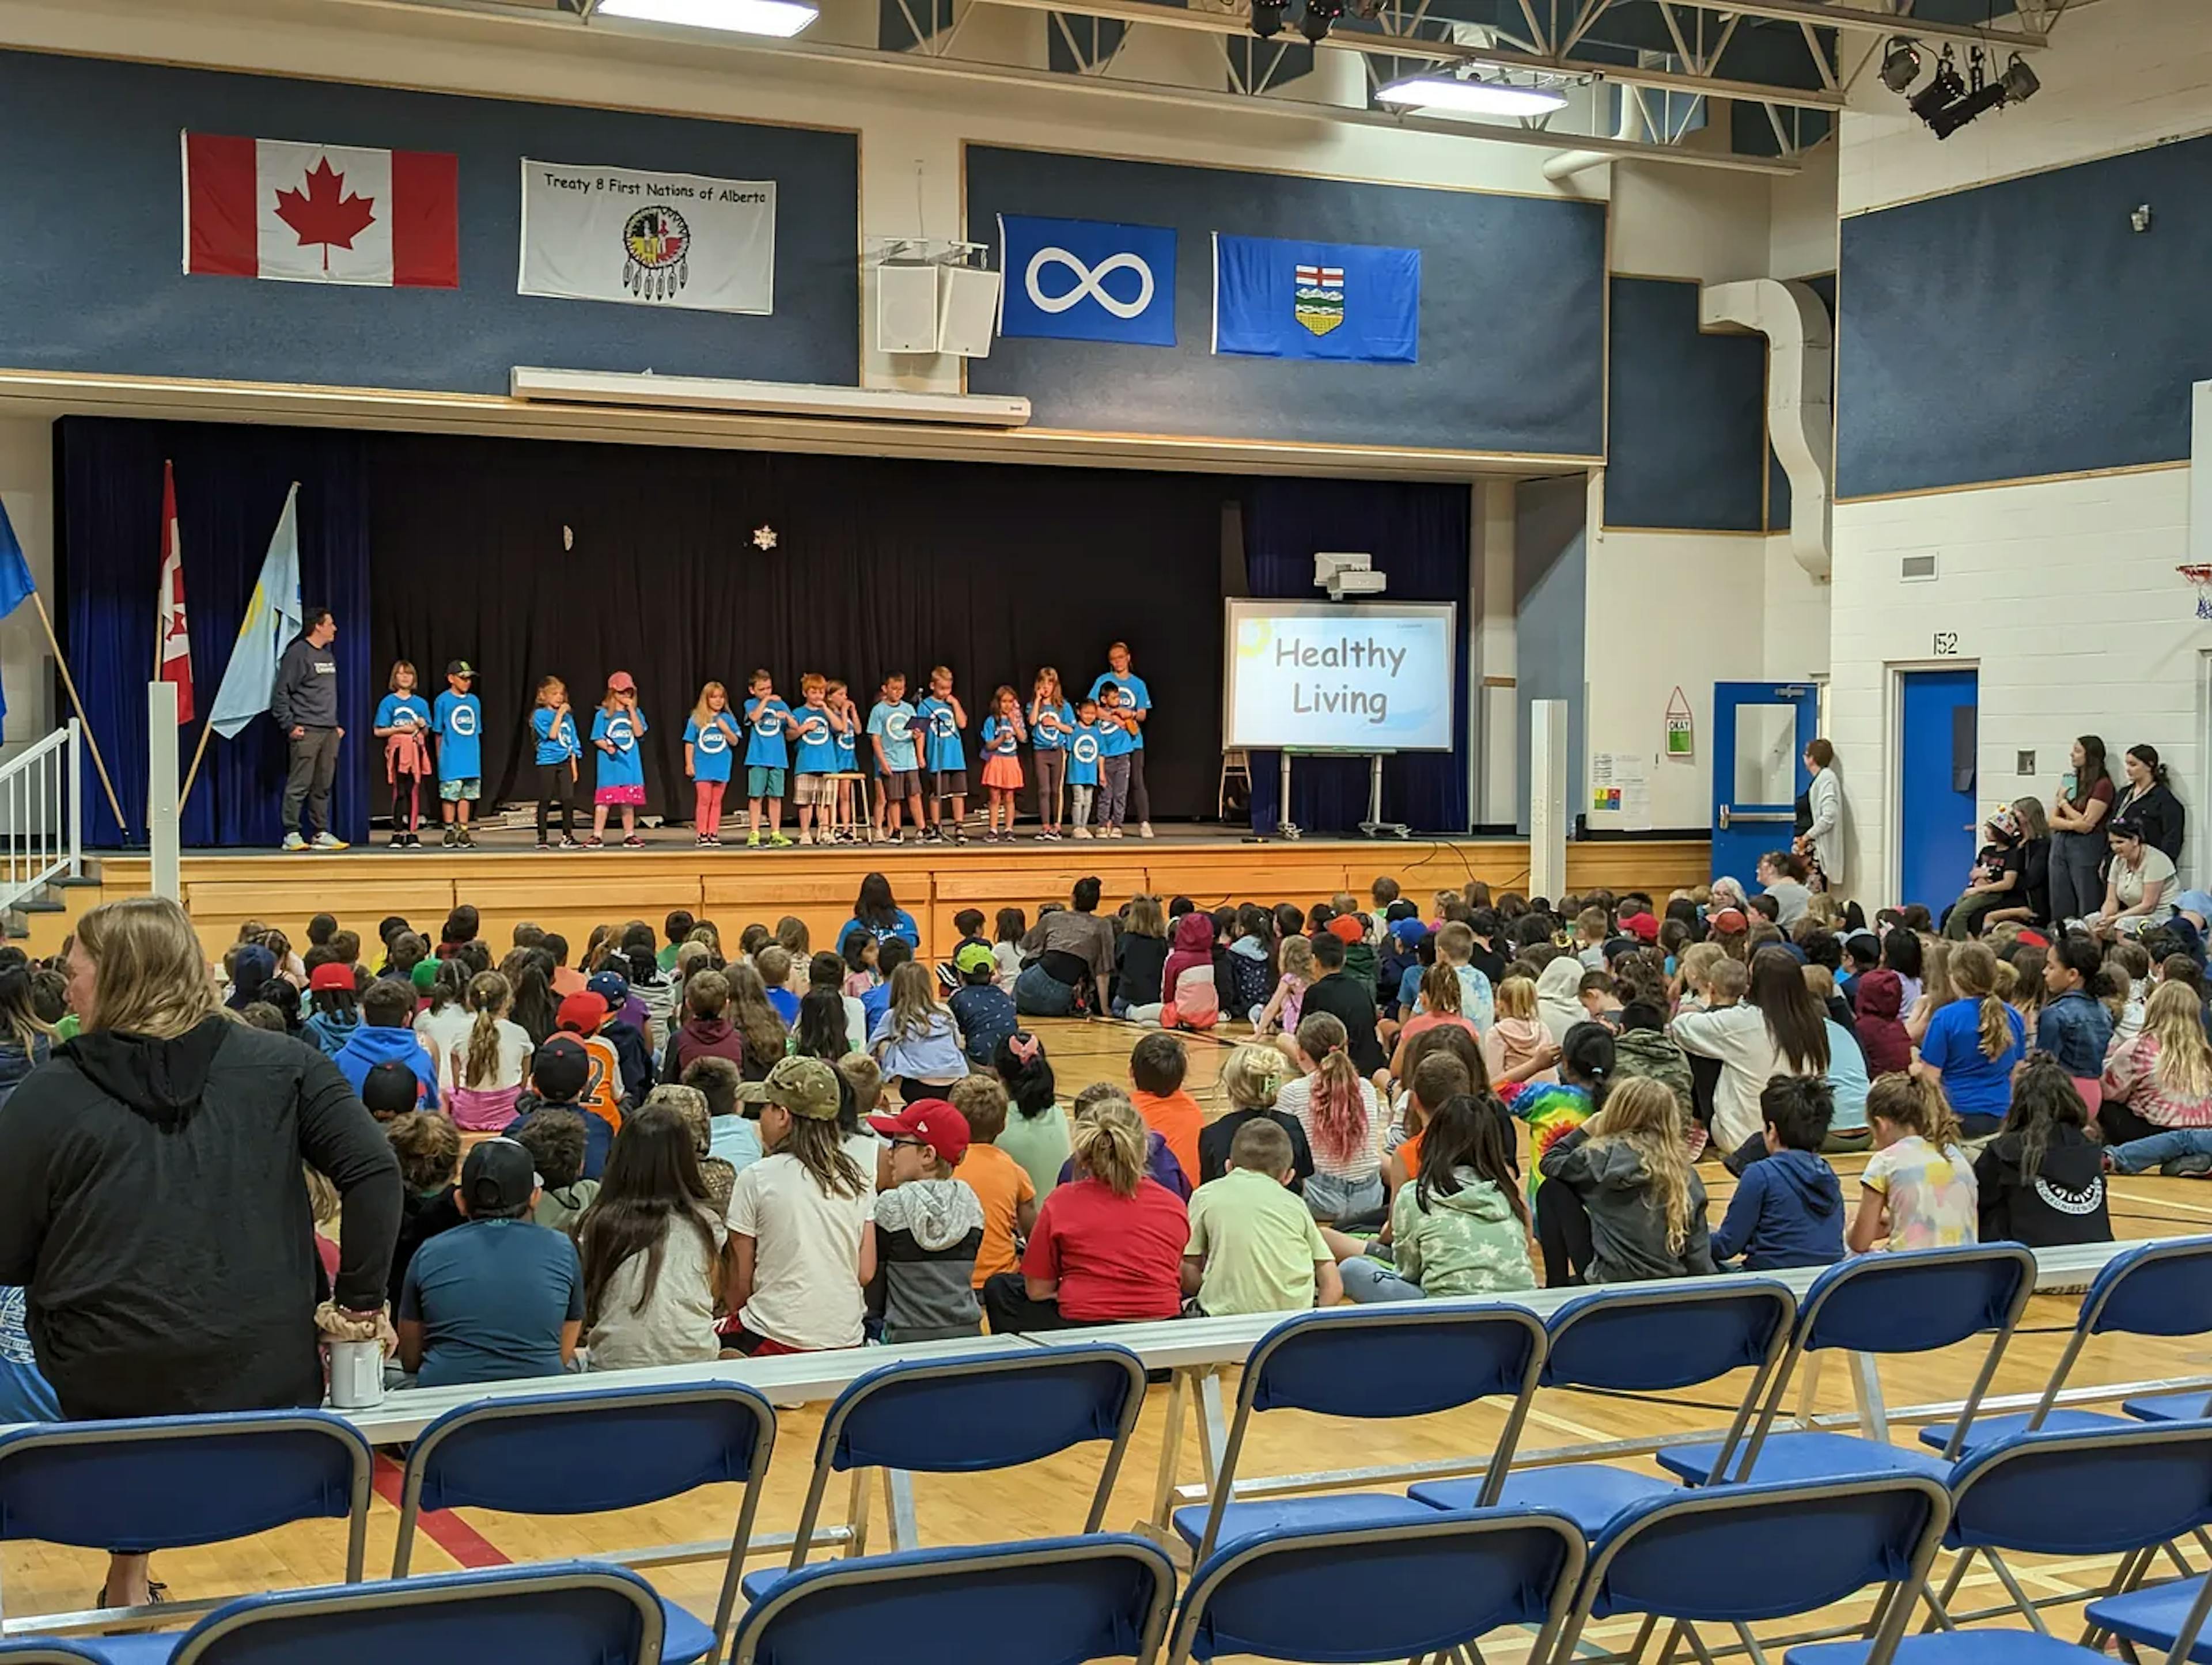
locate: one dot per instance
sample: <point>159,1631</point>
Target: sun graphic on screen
<point>1252,635</point>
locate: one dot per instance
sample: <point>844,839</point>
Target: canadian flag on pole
<point>321,213</point>
<point>176,663</point>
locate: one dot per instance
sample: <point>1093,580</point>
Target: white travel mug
<point>357,1375</point>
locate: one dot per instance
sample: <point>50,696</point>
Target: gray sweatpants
<point>1113,795</point>
<point>314,765</point>
<point>1051,776</point>
<point>1079,806</point>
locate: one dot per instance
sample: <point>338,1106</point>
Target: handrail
<point>41,838</point>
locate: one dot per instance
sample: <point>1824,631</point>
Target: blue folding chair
<point>2156,1289</point>
<point>1910,1301</point>
<point>1376,1363</point>
<point>968,1415</point>
<point>2121,1490</point>
<point>153,1483</point>
<point>595,1449</point>
<point>557,1613</point>
<point>1741,1555</point>
<point>55,1652</point>
<point>1399,1589</point>
<point>1642,1338</point>
<point>1066,1600</point>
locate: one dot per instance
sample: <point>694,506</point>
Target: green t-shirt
<point>1259,1242</point>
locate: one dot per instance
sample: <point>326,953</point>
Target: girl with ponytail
<point>1918,1189</point>
<point>1973,1044</point>
<point>1552,1110</point>
<point>489,1060</point>
<point>1108,1244</point>
<point>1343,1124</point>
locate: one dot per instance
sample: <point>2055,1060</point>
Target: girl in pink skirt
<point>1003,735</point>
<point>487,1063</point>
<point>615,731</point>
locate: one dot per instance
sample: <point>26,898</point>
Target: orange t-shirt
<point>1409,1155</point>
<point>568,980</point>
<point>602,1094</point>
<point>1177,1119</point>
<point>1002,1185</point>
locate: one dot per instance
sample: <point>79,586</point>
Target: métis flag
<point>1277,297</point>
<point>175,664</point>
<point>1087,280</point>
<point>272,619</point>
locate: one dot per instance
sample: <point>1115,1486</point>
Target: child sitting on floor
<point>1918,1189</point>
<point>429,1150</point>
<point>2041,1181</point>
<point>917,1040</point>
<point>1631,1170</point>
<point>1001,1184</point>
<point>984,1010</point>
<point>1788,1210</point>
<point>1159,1162</point>
<point>1157,1063</point>
<point>558,1075</point>
<point>387,1033</point>
<point>1457,1228</point>
<point>555,1139</point>
<point>801,1249</point>
<point>1253,1245</point>
<point>928,1229</point>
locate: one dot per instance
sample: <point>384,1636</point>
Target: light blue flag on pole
<point>272,619</point>
<point>16,585</point>
<point>1277,297</point>
<point>1087,280</point>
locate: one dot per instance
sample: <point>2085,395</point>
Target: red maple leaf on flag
<point>322,214</point>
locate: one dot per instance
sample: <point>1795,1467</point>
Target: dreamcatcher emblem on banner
<point>658,241</point>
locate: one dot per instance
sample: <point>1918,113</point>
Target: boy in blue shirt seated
<point>1787,1209</point>
<point>984,1010</point>
<point>499,1299</point>
<point>386,1036</point>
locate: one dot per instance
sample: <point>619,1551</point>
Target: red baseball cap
<point>1730,919</point>
<point>1642,926</point>
<point>622,683</point>
<point>332,975</point>
<point>582,1013</point>
<point>1346,929</point>
<point>931,1122</point>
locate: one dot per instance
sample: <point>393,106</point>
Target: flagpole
<point>90,738</point>
<point>193,774</point>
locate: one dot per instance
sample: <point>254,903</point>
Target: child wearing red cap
<point>582,1016</point>
<point>929,1228</point>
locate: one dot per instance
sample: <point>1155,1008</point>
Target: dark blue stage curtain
<point>1418,535</point>
<point>231,483</point>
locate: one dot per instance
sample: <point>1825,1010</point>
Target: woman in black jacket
<point>152,1202</point>
<point>2149,800</point>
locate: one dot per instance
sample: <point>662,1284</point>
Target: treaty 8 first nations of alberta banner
<point>648,239</point>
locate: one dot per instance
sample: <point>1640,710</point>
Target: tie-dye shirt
<point>1934,1202</point>
<point>1551,1110</point>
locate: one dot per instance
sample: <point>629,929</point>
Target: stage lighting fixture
<point>1318,17</point>
<point>1948,87</point>
<point>1900,64</point>
<point>2020,83</point>
<point>1267,18</point>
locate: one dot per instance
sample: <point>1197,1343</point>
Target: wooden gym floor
<point>1050,1497</point>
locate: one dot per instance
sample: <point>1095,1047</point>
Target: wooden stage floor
<point>1048,1498</point>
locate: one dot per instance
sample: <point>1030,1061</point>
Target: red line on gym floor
<point>441,1527</point>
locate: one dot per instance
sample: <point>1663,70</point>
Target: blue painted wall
<point>1686,432</point>
<point>2024,328</point>
<point>91,242</point>
<point>1511,329</point>
<point>1777,482</point>
<point>1551,581</point>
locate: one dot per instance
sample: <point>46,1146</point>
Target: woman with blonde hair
<point>144,1299</point>
<point>1629,1165</point>
<point>1108,1245</point>
<point>1251,1078</point>
<point>2160,1078</point>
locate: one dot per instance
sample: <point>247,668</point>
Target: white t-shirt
<point>2157,869</point>
<point>677,1326</point>
<point>514,1054</point>
<point>1297,1099</point>
<point>807,1256</point>
<point>1738,1036</point>
<point>441,1030</point>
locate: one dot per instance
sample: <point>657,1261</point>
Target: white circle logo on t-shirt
<point>462,720</point>
<point>941,723</point>
<point>620,731</point>
<point>898,726</point>
<point>713,740</point>
<point>1004,742</point>
<point>1085,749</point>
<point>769,722</point>
<point>813,729</point>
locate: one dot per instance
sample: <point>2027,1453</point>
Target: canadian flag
<point>321,213</point>
<point>176,661</point>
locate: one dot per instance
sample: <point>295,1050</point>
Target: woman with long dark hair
<point>1778,1030</point>
<point>877,912</point>
<point>651,1248</point>
<point>2148,801</point>
<point>2078,814</point>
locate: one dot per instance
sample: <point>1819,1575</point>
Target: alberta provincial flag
<point>1087,280</point>
<point>1277,298</point>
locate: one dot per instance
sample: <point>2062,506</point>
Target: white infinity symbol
<point>1088,280</point>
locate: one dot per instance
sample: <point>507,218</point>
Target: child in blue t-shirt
<point>892,726</point>
<point>457,721</point>
<point>1003,734</point>
<point>839,699</point>
<point>814,729</point>
<point>615,730</point>
<point>1083,759</point>
<point>1117,739</point>
<point>710,740</point>
<point>1136,706</point>
<point>553,727</point>
<point>767,756</point>
<point>1052,723</point>
<point>403,723</point>
<point>942,718</point>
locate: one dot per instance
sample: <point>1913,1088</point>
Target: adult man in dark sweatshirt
<point>305,703</point>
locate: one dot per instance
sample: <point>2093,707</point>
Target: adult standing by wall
<point>2077,828</point>
<point>1822,843</point>
<point>2148,799</point>
<point>152,1202</point>
<point>305,703</point>
<point>1136,699</point>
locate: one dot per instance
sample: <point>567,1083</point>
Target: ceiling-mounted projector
<point>1346,574</point>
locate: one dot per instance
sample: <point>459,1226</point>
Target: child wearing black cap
<point>389,1089</point>
<point>457,721</point>
<point>497,1300</point>
<point>558,1075</point>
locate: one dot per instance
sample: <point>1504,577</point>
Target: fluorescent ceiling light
<point>1452,96</point>
<point>778,17</point>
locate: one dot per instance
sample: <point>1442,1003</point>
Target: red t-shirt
<point>1114,1257</point>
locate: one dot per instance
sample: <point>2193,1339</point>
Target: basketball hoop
<point>2200,575</point>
